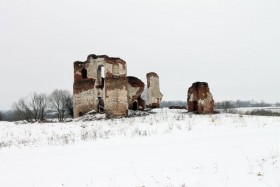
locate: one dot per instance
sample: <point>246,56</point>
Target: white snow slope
<point>167,149</point>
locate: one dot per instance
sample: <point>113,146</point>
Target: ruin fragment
<point>154,96</point>
<point>100,84</point>
<point>200,99</point>
<point>135,89</point>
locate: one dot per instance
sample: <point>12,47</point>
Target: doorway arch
<point>135,105</point>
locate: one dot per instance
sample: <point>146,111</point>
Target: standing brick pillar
<point>154,95</point>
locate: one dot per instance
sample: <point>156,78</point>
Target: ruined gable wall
<point>154,96</point>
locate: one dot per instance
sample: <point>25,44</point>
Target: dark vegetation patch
<point>262,112</point>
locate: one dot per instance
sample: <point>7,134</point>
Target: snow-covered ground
<point>167,149</point>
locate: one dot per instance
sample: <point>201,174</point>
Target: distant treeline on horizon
<point>10,114</point>
<point>225,104</point>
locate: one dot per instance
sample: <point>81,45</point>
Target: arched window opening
<point>101,76</point>
<point>102,72</point>
<point>134,105</point>
<point>84,73</point>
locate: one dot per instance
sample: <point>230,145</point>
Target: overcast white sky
<point>234,45</point>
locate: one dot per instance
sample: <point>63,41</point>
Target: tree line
<point>40,106</point>
<point>243,104</point>
<point>224,104</point>
<point>59,104</point>
<point>166,104</point>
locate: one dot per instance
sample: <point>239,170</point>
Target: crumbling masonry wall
<point>200,99</point>
<point>154,96</point>
<point>116,101</point>
<point>135,89</point>
<point>100,84</point>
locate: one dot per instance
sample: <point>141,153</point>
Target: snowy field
<point>169,148</point>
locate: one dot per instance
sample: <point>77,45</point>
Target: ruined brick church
<point>101,84</point>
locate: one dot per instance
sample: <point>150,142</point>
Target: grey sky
<point>232,45</point>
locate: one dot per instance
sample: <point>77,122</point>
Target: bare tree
<point>58,101</point>
<point>22,110</point>
<point>69,106</point>
<point>31,108</point>
<point>38,104</point>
